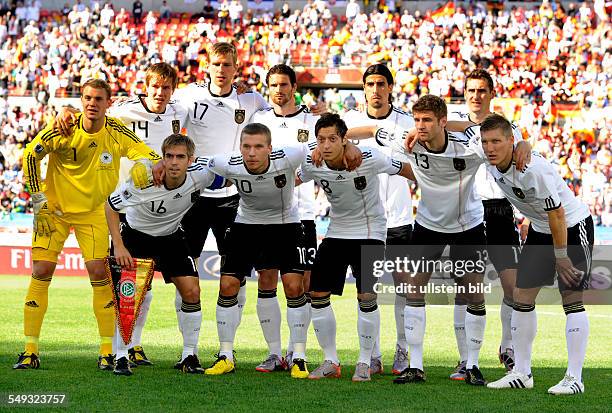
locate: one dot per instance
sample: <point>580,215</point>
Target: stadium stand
<point>552,63</point>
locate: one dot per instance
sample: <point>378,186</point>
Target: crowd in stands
<point>545,55</point>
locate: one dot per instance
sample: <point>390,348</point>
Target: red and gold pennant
<point>129,286</point>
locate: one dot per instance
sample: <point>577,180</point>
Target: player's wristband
<point>560,253</point>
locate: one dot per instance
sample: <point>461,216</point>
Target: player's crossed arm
<point>407,172</point>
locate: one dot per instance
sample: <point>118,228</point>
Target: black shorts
<point>464,246</point>
<point>206,214</point>
<point>335,255</point>
<point>503,245</point>
<point>399,235</point>
<point>310,243</point>
<point>169,252</point>
<point>263,247</point>
<point>537,260</point>
<point>398,242</point>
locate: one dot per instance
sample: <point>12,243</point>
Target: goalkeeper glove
<point>142,174</point>
<point>43,221</point>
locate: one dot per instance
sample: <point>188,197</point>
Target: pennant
<point>129,289</point>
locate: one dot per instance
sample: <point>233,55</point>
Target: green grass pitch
<point>69,346</point>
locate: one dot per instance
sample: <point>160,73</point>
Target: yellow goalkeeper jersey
<point>83,168</point>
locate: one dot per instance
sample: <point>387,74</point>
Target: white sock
<point>414,324</point>
<point>241,301</point>
<point>268,312</point>
<point>459,323</point>
<point>324,323</point>
<point>227,324</point>
<point>290,346</point>
<point>297,319</point>
<point>400,304</point>
<point>524,328</point>
<point>474,333</point>
<point>191,319</point>
<point>178,301</point>
<point>576,336</point>
<point>141,320</point>
<point>505,314</point>
<point>368,328</point>
<point>121,349</point>
<point>376,353</point>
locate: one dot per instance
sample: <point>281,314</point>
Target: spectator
<point>165,11</point>
<point>223,14</point>
<point>208,12</point>
<point>235,13</point>
<point>150,23</point>
<point>137,11</point>
<point>352,10</point>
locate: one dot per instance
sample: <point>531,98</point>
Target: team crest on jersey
<point>39,148</point>
<point>126,194</point>
<point>176,126</point>
<point>360,183</point>
<point>195,195</point>
<point>459,164</point>
<point>518,192</point>
<point>239,115</point>
<point>106,158</point>
<point>280,181</point>
<point>302,135</point>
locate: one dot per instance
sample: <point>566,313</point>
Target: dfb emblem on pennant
<point>360,183</point>
<point>459,164</point>
<point>129,289</point>
<point>302,135</point>
<point>176,126</point>
<point>280,181</point>
<point>239,115</point>
<point>518,192</point>
<point>195,195</point>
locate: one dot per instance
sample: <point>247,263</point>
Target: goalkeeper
<point>82,171</point>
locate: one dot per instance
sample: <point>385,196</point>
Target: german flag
<point>447,10</point>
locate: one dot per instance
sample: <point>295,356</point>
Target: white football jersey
<point>290,130</point>
<point>394,190</point>
<point>265,198</point>
<point>151,128</point>
<point>158,211</point>
<point>357,211</point>
<point>449,202</point>
<point>485,184</point>
<point>537,190</point>
<point>215,122</point>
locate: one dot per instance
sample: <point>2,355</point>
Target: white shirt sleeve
<point>393,140</point>
<point>544,180</point>
<point>385,164</point>
<point>304,172</point>
<point>125,196</point>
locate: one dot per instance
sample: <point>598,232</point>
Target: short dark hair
<point>378,69</point>
<point>480,74</point>
<point>331,119</point>
<point>97,84</point>
<point>257,129</point>
<point>431,103</point>
<point>496,121</point>
<point>282,69</point>
<point>177,139</point>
